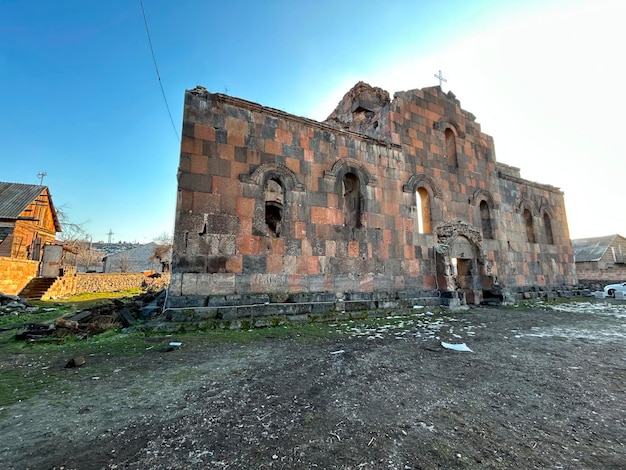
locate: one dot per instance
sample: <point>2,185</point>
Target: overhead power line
<point>145,21</point>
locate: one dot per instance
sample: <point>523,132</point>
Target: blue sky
<point>81,101</point>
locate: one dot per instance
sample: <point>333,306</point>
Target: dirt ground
<point>540,389</point>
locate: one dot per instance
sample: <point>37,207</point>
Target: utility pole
<point>110,234</point>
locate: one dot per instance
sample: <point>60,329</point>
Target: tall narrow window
<point>528,220</point>
<point>351,201</point>
<point>273,207</point>
<point>547,225</point>
<point>423,211</point>
<point>485,219</point>
<point>451,148</point>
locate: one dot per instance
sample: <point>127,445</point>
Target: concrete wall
<point>15,274</point>
<point>420,141</point>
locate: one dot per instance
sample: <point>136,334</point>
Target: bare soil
<point>541,389</point>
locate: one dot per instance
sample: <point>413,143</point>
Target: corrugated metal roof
<point>15,197</point>
<point>591,249</point>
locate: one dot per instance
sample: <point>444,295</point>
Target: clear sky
<point>80,99</point>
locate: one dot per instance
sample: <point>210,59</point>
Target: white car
<point>609,290</point>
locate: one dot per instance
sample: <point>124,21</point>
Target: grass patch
<point>98,296</point>
<point>20,384</point>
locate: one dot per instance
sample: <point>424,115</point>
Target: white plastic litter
<point>175,344</point>
<point>456,347</point>
<point>341,351</point>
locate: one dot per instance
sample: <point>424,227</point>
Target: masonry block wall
<point>385,196</point>
<point>15,274</point>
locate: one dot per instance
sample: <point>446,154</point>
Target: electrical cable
<point>145,21</point>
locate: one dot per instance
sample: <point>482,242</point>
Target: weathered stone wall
<point>81,283</point>
<point>345,205</point>
<point>15,274</point>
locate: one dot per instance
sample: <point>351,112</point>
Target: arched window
<point>530,232</point>
<point>351,201</point>
<point>451,148</point>
<point>485,220</point>
<point>547,226</point>
<point>273,207</point>
<point>422,199</point>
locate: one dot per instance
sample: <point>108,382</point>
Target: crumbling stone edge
<point>250,311</point>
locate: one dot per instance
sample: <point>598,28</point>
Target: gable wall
<point>230,147</point>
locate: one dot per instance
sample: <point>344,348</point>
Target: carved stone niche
<point>461,263</point>
<point>448,231</point>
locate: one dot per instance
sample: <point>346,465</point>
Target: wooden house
<point>28,220</point>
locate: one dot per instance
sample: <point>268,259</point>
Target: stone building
<point>386,199</point>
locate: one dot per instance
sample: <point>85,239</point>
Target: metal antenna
<point>110,234</point>
<point>41,176</point>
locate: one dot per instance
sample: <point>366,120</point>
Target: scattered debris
<point>35,331</point>
<point>173,345</point>
<point>95,320</point>
<point>456,347</point>
<point>64,323</point>
<point>14,305</point>
<point>75,362</point>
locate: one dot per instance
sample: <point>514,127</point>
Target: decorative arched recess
<point>528,210</point>
<point>545,209</point>
<point>525,204</point>
<point>422,181</point>
<point>483,195</point>
<point>425,208</point>
<point>267,171</point>
<point>547,217</point>
<point>348,165</point>
<point>447,122</point>
<point>486,205</point>
<point>466,273</point>
<point>349,180</point>
<point>449,231</point>
<point>276,186</point>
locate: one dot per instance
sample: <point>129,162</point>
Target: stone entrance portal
<point>461,266</point>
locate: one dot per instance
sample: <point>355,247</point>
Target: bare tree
<point>163,251</point>
<point>88,257</point>
<point>71,233</point>
<point>124,262</point>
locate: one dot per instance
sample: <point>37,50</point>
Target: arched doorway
<point>466,270</point>
<point>461,265</point>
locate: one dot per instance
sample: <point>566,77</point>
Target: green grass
<point>19,384</point>
<point>98,296</point>
<point>30,368</point>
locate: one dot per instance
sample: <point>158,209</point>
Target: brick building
<point>387,198</point>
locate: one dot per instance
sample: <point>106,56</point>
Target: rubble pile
<point>14,305</point>
<point>95,320</point>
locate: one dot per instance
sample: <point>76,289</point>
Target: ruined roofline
<point>519,180</point>
<point>438,91</point>
<point>256,107</point>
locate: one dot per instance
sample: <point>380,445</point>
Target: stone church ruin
<point>385,202</point>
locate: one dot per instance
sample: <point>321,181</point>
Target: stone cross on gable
<point>440,77</point>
